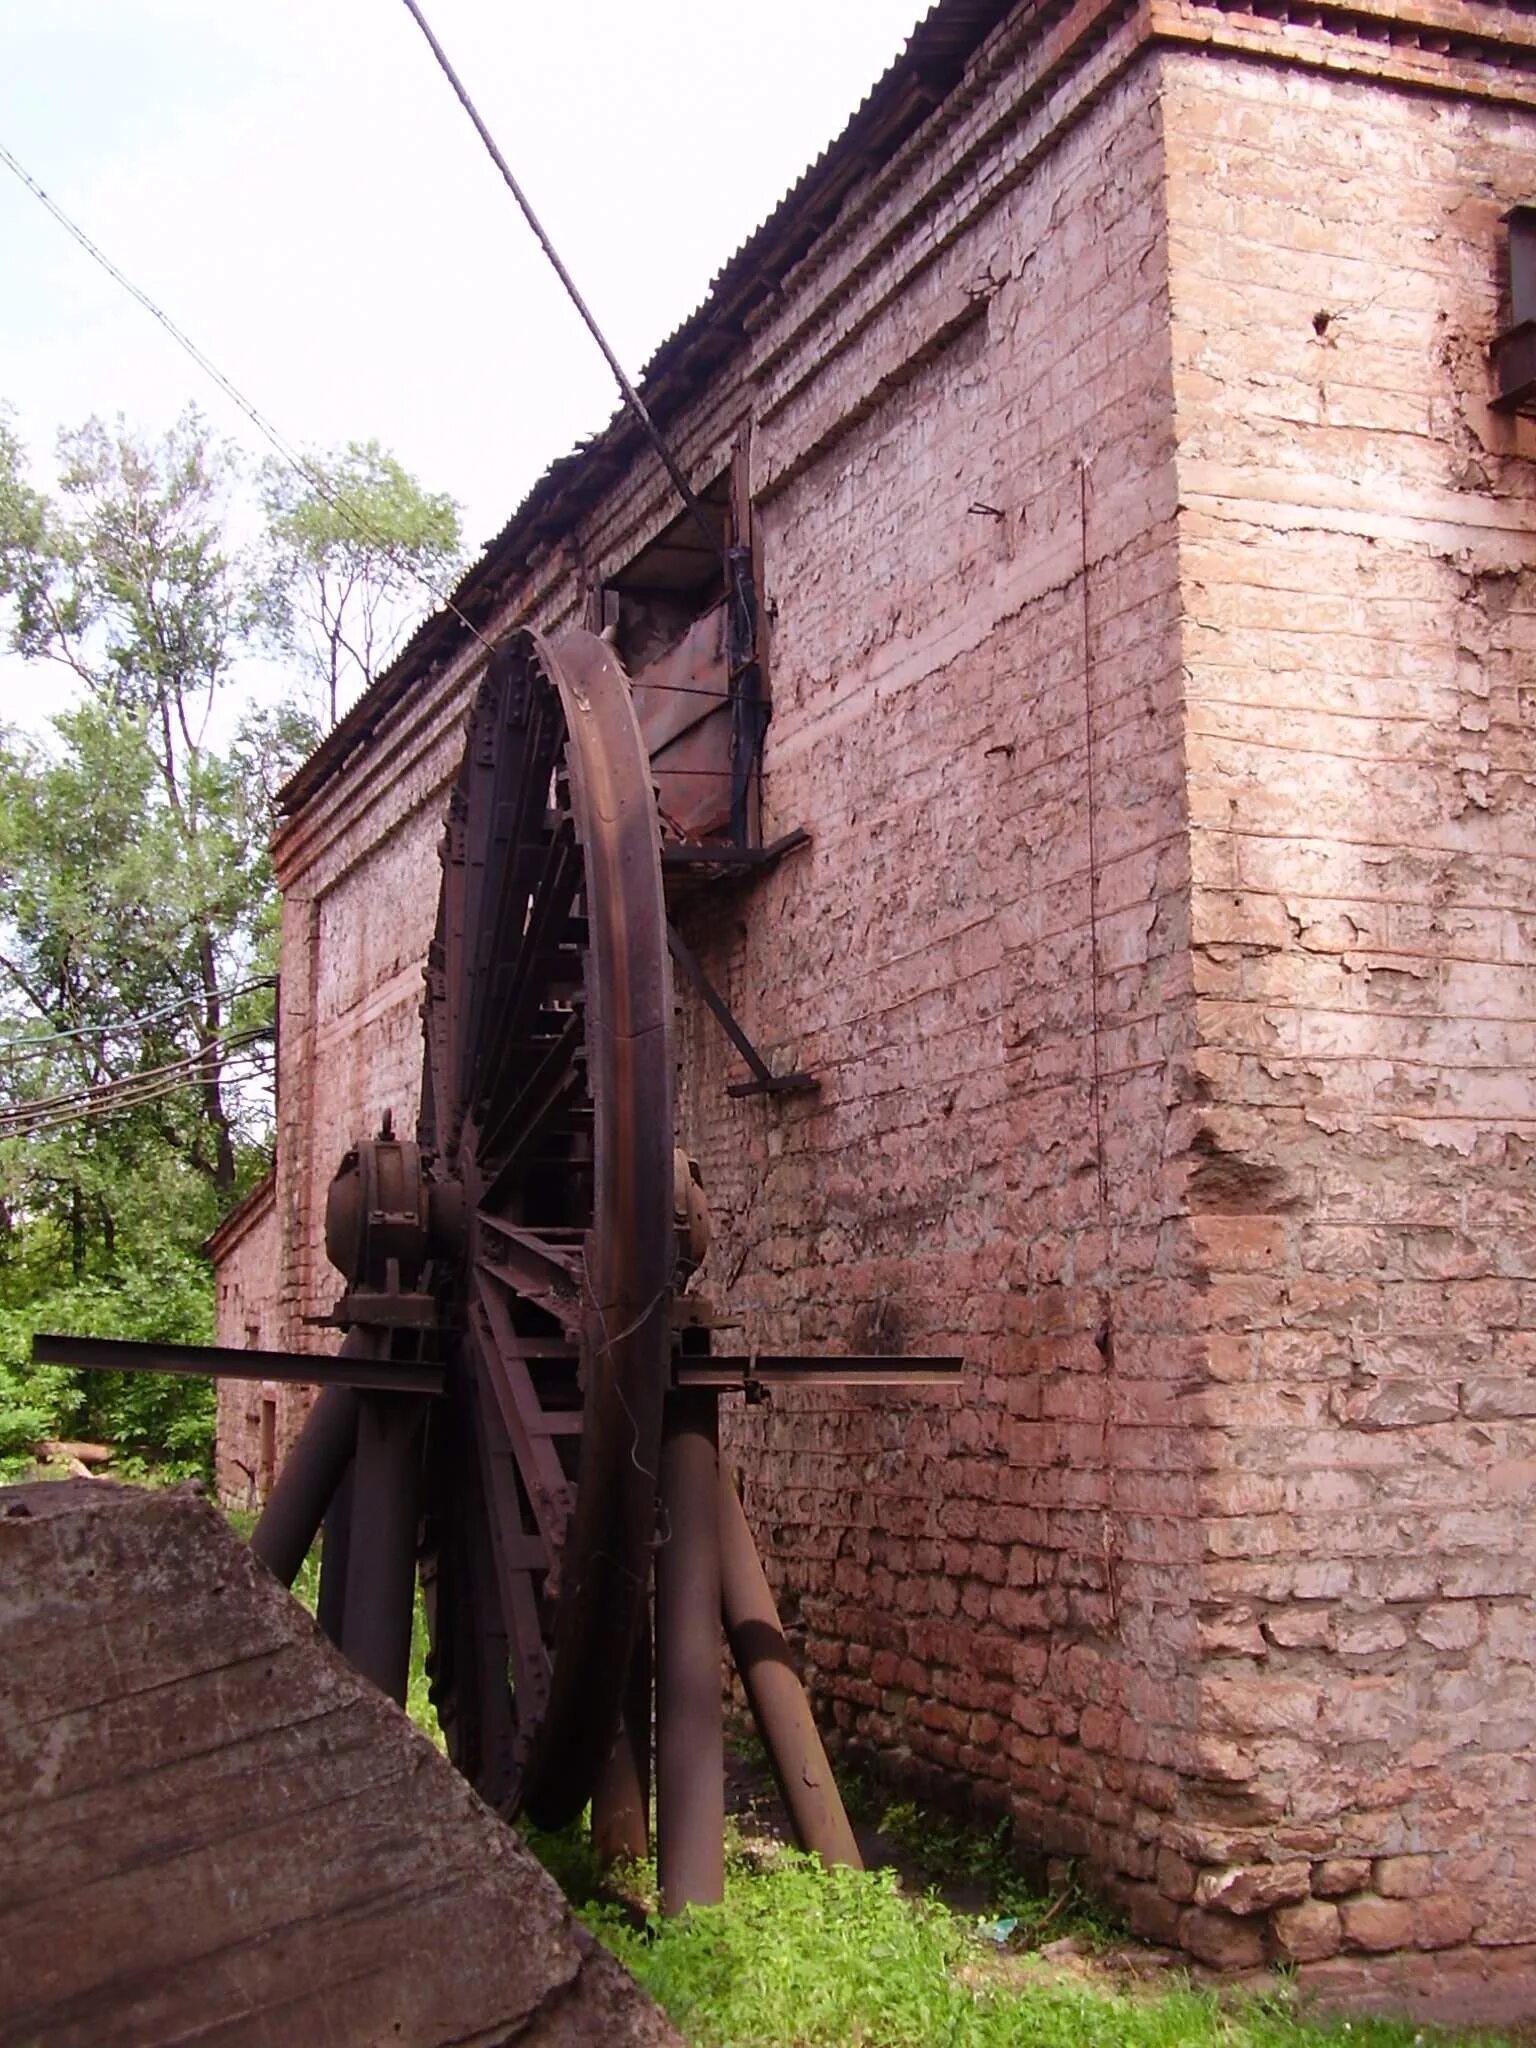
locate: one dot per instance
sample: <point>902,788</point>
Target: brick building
<point>1151,587</point>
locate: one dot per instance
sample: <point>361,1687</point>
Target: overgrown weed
<point>799,1956</point>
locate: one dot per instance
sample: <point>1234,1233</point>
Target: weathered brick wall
<point>1357,563</point>
<point>1148,589</point>
<point>247,1253</point>
<point>360,877</point>
<point>982,957</point>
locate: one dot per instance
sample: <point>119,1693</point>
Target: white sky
<point>296,185</point>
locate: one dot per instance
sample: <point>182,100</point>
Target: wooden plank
<point>685,684</point>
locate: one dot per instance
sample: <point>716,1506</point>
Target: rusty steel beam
<point>732,1374</point>
<point>226,1362</point>
<point>306,1484</point>
<point>774,1693</point>
<point>764,1081</point>
<point>690,1727</point>
<point>724,860</point>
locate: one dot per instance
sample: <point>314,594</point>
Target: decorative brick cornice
<point>1458,47</point>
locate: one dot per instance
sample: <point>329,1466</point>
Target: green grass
<point>803,1957</point>
<point>799,1956</point>
<point>950,1855</point>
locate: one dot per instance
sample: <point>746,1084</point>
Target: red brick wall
<point>1147,658</point>
<point>247,1257</point>
<point>983,959</point>
<point>1357,560</point>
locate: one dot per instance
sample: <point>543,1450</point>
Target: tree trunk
<point>212,1072</point>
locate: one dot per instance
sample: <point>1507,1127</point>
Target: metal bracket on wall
<point>714,864</point>
<point>764,1081</point>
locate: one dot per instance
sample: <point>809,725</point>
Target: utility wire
<point>632,398</point>
<point>173,1072</point>
<point>132,1082</point>
<point>235,1071</point>
<point>293,457</point>
<point>26,1047</point>
<point>308,471</point>
<point>98,1112</point>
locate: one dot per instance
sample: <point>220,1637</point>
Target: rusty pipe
<point>621,1799</point>
<point>380,1604</point>
<point>690,1720</point>
<point>774,1693</point>
<point>302,1491</point>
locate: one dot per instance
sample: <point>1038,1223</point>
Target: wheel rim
<point>547,1097</point>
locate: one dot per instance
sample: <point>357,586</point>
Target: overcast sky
<point>295,184</point>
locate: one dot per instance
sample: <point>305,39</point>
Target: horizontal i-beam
<point>728,1374</point>
<point>224,1362</point>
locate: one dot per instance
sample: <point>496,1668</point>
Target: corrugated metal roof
<point>930,65</point>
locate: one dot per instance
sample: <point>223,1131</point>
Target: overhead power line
<point>74,1119</point>
<point>632,398</point>
<point>130,1091</point>
<point>29,1047</point>
<point>239,1069</point>
<point>183,1064</point>
<point>311,474</point>
<point>308,471</point>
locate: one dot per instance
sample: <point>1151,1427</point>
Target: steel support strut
<point>306,1482</point>
<point>690,1731</point>
<point>335,1543</point>
<point>764,1081</point>
<point>774,1693</point>
<point>381,1547</point>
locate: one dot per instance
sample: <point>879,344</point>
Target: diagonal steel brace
<point>764,1081</point>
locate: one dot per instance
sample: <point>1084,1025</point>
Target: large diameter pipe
<point>310,1475</point>
<point>774,1693</point>
<point>621,1799</point>
<point>381,1541</point>
<point>690,1721</point>
<point>335,1541</point>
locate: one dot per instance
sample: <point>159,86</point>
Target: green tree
<point>134,853</point>
<point>351,549</point>
<point>138,917</point>
<point>138,929</point>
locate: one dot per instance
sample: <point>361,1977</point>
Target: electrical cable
<point>33,1048</point>
<point>293,457</point>
<point>183,1060</point>
<point>296,461</point>
<point>154,1080</point>
<point>632,398</point>
<point>63,1119</point>
<point>125,1091</point>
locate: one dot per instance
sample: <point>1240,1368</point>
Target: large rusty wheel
<point>495,1415</point>
<point>547,1098</point>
